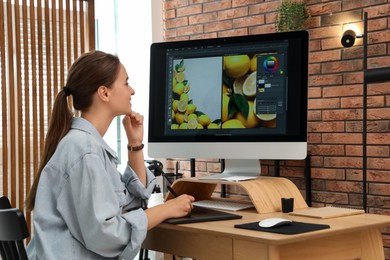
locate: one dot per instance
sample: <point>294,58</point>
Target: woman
<point>83,208</point>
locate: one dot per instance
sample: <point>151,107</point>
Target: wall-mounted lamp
<point>370,75</point>
<point>348,39</point>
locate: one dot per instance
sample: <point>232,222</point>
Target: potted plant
<point>292,16</point>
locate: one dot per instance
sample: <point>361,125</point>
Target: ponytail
<point>59,126</point>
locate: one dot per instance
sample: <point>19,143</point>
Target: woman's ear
<point>103,93</point>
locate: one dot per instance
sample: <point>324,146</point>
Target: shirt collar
<point>84,125</point>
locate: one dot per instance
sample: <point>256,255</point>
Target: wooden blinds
<point>39,40</point>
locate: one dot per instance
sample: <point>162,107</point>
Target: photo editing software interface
<point>232,87</point>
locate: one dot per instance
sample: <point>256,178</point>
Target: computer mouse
<point>274,222</point>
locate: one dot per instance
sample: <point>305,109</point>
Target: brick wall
<point>335,92</point>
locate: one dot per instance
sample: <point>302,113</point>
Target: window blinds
<point>39,40</point>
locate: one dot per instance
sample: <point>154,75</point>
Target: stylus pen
<point>172,191</point>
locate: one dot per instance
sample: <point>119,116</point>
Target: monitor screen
<point>241,97</point>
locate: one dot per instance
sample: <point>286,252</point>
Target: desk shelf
<point>264,192</point>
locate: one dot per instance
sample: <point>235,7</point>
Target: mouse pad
<point>289,229</point>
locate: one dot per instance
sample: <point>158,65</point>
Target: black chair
<point>14,230</point>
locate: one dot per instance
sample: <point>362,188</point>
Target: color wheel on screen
<point>270,64</point>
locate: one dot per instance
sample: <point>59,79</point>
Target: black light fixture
<point>348,39</point>
<point>376,75</point>
<point>370,75</point>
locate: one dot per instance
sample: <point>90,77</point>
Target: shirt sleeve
<point>96,219</point>
<point>134,185</point>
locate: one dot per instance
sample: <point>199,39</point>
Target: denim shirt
<point>84,208</point>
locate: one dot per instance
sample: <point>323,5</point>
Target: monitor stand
<point>239,168</point>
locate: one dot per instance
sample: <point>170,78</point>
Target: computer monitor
<point>241,97</point>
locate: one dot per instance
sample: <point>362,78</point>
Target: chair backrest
<point>13,230</point>
<point>4,203</point>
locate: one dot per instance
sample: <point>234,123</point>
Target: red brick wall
<point>335,92</point>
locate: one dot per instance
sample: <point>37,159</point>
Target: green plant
<point>292,16</point>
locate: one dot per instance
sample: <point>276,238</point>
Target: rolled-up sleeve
<point>98,221</point>
<point>134,185</point>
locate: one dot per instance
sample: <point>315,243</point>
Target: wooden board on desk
<point>265,192</point>
<point>326,212</point>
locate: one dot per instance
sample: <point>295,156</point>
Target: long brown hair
<point>90,71</point>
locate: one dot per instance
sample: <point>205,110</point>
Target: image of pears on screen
<point>185,114</point>
<point>239,93</point>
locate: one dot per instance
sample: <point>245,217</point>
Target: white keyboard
<point>224,204</point>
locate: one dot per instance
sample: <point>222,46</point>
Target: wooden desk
<point>352,237</point>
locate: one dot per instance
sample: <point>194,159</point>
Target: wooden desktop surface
<point>350,237</point>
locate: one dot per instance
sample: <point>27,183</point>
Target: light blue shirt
<point>84,208</point>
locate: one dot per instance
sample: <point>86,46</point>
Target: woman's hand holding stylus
<point>180,206</point>
<point>174,208</point>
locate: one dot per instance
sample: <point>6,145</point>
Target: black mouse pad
<point>289,229</point>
